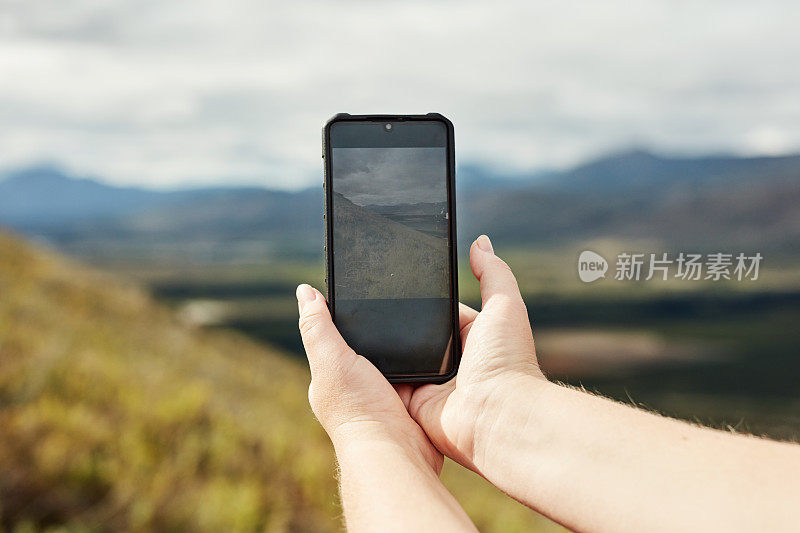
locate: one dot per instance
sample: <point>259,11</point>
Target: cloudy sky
<point>171,93</point>
<point>390,176</point>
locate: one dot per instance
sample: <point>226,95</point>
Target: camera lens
<point>387,127</point>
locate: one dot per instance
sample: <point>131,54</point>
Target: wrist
<point>355,438</point>
<point>503,426</point>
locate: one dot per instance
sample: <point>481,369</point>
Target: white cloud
<point>767,140</point>
<point>169,92</point>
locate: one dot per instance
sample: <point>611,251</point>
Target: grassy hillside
<point>385,259</point>
<point>115,416</point>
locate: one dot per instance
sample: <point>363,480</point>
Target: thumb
<point>326,350</point>
<point>495,277</point>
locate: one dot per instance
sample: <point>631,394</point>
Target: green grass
<point>115,416</point>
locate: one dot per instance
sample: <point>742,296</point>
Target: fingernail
<point>305,294</point>
<point>485,244</point>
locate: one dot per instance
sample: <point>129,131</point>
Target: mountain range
<point>702,202</point>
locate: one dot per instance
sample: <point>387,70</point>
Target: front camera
<point>387,127</point>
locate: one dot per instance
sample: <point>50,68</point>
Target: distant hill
<point>85,216</point>
<point>638,170</point>
<point>116,416</point>
<point>701,202</point>
<point>421,208</point>
<point>481,177</point>
<point>43,196</point>
<point>705,202</point>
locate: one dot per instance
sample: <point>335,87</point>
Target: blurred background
<point>160,199</point>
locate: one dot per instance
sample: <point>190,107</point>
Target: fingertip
<point>312,308</point>
<point>493,274</point>
<point>484,244</point>
<point>305,294</point>
<point>323,343</point>
<point>476,259</point>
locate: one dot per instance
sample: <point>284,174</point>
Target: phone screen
<point>391,243</point>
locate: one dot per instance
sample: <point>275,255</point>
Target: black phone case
<point>451,200</point>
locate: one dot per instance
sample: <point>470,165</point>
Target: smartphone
<point>390,241</point>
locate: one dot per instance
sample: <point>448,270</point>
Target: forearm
<point>596,465</point>
<point>387,486</point>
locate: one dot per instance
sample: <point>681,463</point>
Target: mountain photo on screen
<point>390,227</point>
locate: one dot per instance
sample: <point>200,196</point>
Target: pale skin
<point>588,463</point>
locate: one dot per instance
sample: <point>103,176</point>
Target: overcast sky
<point>390,176</point>
<point>166,93</point>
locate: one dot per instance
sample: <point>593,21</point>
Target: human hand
<point>498,360</point>
<point>349,396</point>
